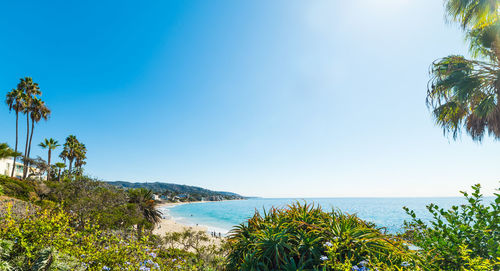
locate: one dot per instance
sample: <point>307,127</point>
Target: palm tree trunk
<point>17,131</point>
<point>70,164</point>
<point>25,169</point>
<point>59,175</point>
<point>49,170</point>
<point>31,137</point>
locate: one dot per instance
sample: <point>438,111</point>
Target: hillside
<point>179,192</point>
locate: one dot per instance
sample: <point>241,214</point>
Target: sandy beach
<point>169,225</point>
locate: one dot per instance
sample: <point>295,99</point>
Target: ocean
<point>221,216</point>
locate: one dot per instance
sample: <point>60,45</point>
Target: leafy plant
<point>477,263</point>
<point>464,93</point>
<point>6,151</point>
<point>16,188</point>
<point>144,200</point>
<point>304,237</point>
<point>473,227</point>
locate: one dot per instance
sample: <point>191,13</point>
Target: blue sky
<point>265,98</point>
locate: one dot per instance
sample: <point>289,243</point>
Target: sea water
<point>221,216</point>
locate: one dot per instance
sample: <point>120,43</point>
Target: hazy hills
<point>172,191</point>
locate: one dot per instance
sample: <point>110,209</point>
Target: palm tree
<point>59,166</point>
<point>30,90</point>
<point>465,93</point>
<point>74,151</point>
<point>6,151</point>
<point>147,205</point>
<point>15,101</point>
<point>49,144</point>
<point>80,156</point>
<point>69,151</point>
<point>38,111</point>
<point>473,13</point>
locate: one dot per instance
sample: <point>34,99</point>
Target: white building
<point>6,167</point>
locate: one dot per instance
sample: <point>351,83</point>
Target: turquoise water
<point>385,212</point>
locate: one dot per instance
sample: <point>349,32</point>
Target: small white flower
<point>363,263</point>
<point>323,258</point>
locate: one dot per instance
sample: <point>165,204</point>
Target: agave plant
<point>304,237</point>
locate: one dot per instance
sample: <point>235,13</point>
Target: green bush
<point>304,237</point>
<point>50,239</point>
<point>103,204</point>
<point>208,253</point>
<point>473,227</point>
<point>16,188</point>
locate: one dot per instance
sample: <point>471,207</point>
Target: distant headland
<point>171,192</point>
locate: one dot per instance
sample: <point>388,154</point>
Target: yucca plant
<point>304,237</point>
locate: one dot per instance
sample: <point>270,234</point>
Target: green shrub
<point>204,251</point>
<point>16,188</point>
<point>89,199</point>
<point>304,237</point>
<point>55,240</point>
<point>473,227</point>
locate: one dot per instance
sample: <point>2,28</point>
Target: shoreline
<point>169,204</point>
<point>168,224</point>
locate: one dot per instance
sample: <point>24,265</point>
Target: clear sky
<point>263,98</point>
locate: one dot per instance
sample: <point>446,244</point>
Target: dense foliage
<point>84,224</point>
<point>87,199</point>
<point>454,237</point>
<point>50,240</point>
<point>304,237</point>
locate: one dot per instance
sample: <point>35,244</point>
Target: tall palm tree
<point>70,147</point>
<point>15,101</point>
<point>30,90</point>
<point>73,149</point>
<point>38,111</point>
<point>80,156</point>
<point>49,144</point>
<point>465,93</point>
